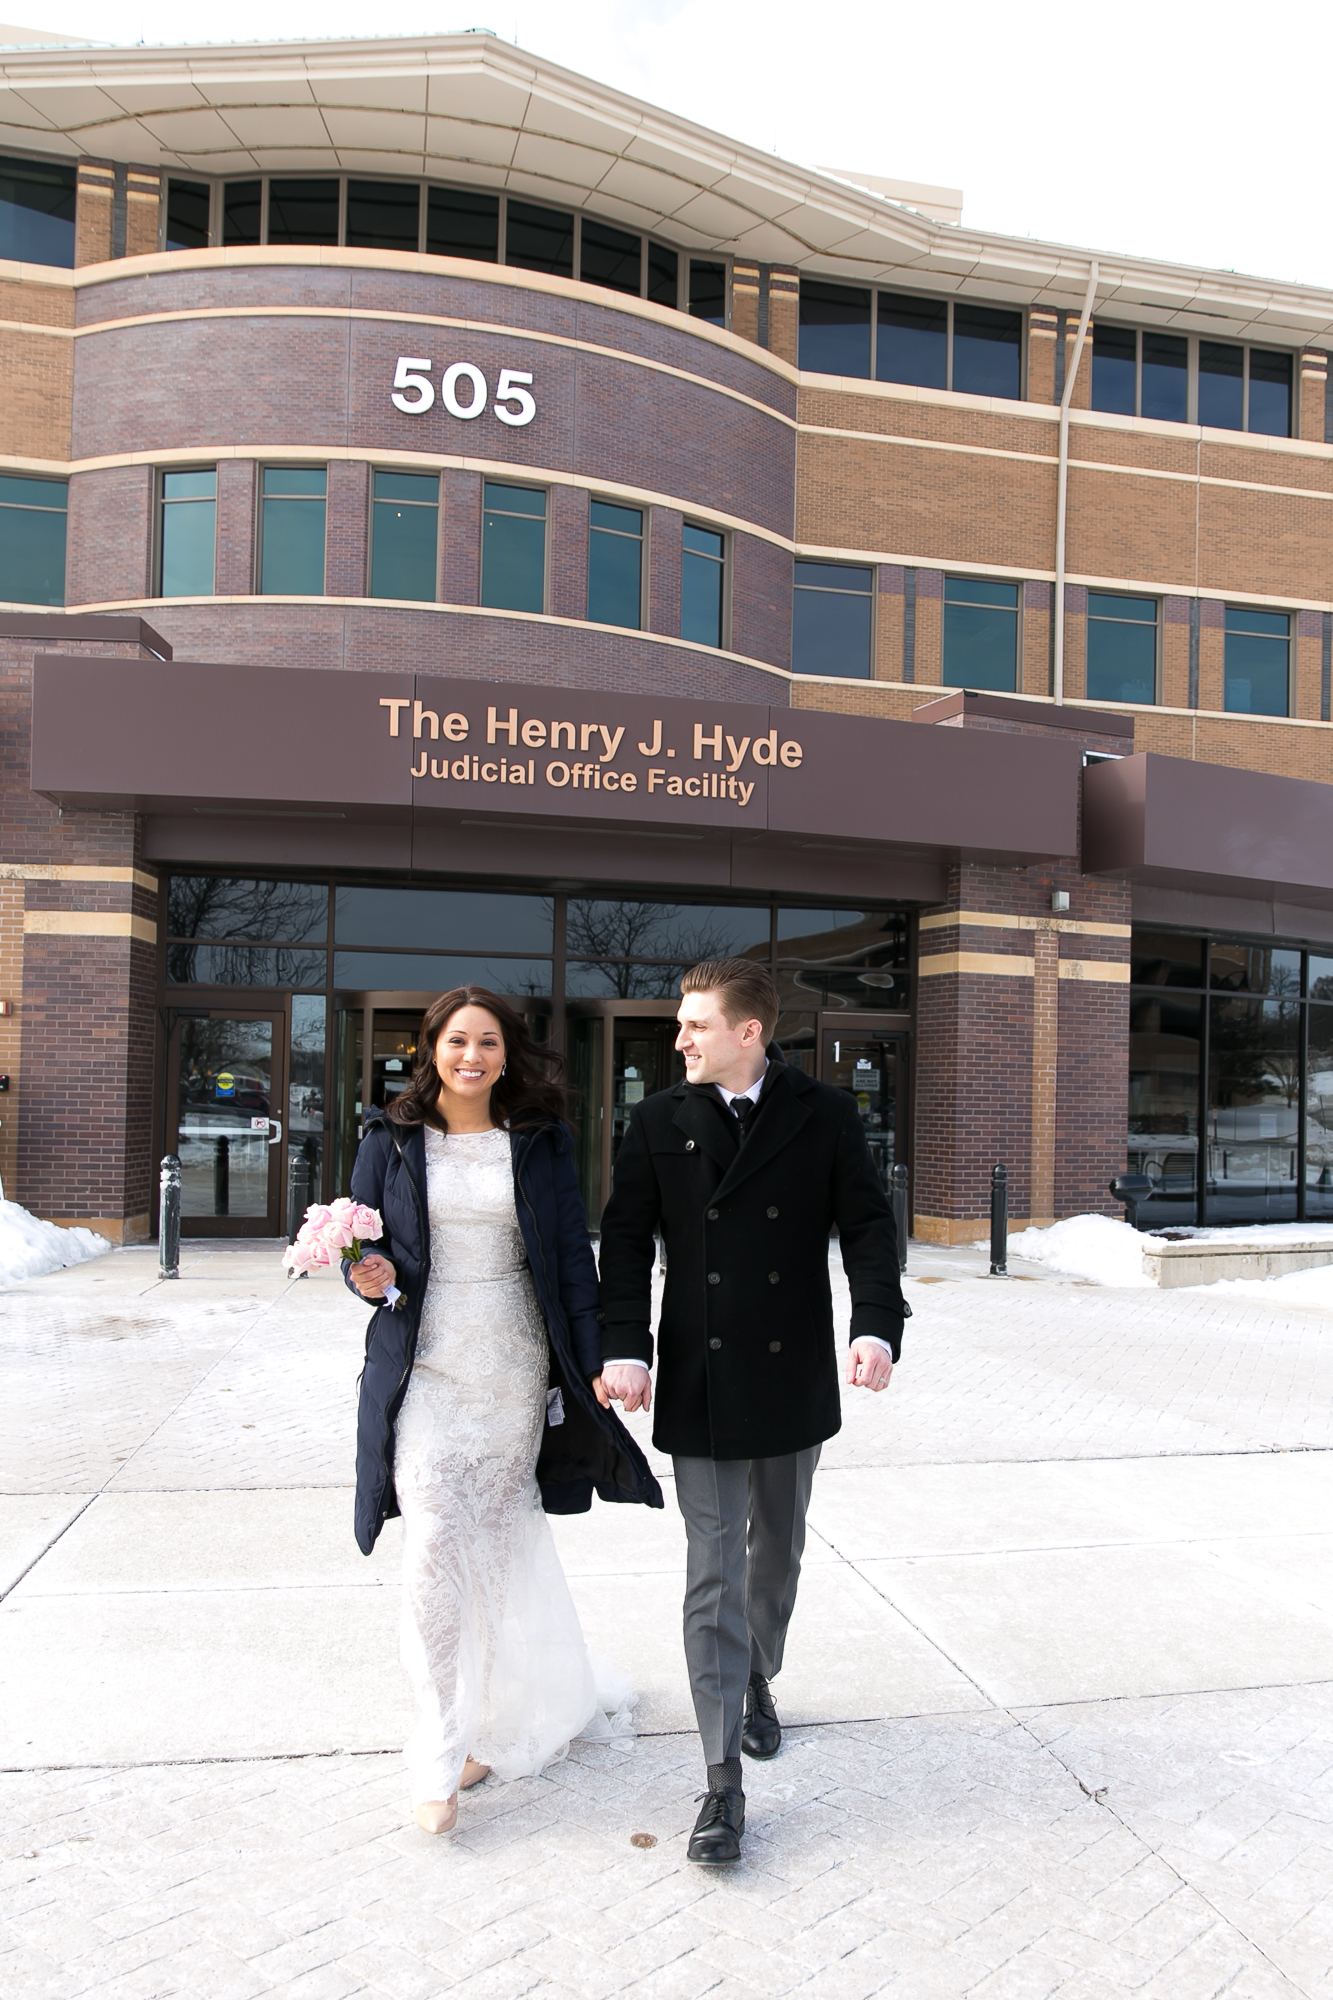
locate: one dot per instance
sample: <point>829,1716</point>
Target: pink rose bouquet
<point>333,1233</point>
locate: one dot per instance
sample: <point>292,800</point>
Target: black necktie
<point>744,1108</point>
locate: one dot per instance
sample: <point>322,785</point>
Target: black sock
<point>726,1777</point>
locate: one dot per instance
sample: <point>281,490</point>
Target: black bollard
<point>169,1218</point>
<point>999,1222</point>
<point>898,1196</point>
<point>222,1176</point>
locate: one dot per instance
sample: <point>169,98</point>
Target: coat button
<point>712,1215</point>
<point>772,1277</point>
<point>689,1145</point>
<point>772,1215</point>
<point>775,1347</point>
<point>715,1342</point>
<point>715,1277</point>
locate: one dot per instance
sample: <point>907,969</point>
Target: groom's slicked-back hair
<point>745,989</point>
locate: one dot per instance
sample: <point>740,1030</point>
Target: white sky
<point>1178,130</point>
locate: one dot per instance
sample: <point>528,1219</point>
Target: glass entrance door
<point>870,1063</point>
<point>617,1058</point>
<point>224,1084</point>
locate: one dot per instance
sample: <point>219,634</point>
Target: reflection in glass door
<point>868,1063</point>
<point>225,1081</point>
<point>617,1058</point>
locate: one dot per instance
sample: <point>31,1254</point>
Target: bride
<point>479,1403</point>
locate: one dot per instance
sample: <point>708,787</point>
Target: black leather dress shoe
<point>718,1829</point>
<point>761,1732</point>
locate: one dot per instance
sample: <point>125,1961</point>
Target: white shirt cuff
<point>623,1362</point>
<point>878,1342</point>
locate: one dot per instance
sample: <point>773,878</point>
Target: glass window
<point>835,329</point>
<point>404,534</point>
<point>663,275</point>
<point>1122,648</point>
<point>243,965</point>
<point>32,540</point>
<point>823,937</point>
<point>1319,1110</point>
<point>539,239</point>
<point>980,634</point>
<point>1320,978</point>
<point>456,919</point>
<point>228,906</point>
<point>305,1106</point>
<point>303,211</point>
<point>1163,1139</point>
<point>1115,357</point>
<point>1270,393</point>
<point>242,212</point>
<point>189,516</point>
<point>615,565</point>
<point>513,547</point>
<point>1258,661</point>
<point>1165,390</point>
<point>1253,1099</point>
<point>291,541</point>
<point>1237,967</point>
<point>37,217</point>
<point>188,205</point>
<point>681,932</point>
<point>383,215</point>
<point>610,257</point>
<point>1221,386</point>
<point>913,341</point>
<point>460,223</point>
<point>831,620</point>
<point>422,972</point>
<point>987,350</point>
<point>1156,958</point>
<point>702,576</point>
<point>708,292</point>
<point>622,979</point>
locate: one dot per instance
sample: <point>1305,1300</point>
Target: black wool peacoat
<point>747,1366</point>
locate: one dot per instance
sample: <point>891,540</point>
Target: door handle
<point>274,1131</point>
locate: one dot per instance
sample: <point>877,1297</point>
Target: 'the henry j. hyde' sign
<point>489,743</point>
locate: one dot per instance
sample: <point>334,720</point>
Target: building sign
<point>464,391</point>
<point>595,756</point>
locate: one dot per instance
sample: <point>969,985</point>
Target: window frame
<point>263,466</point>
<point>828,590</point>
<point>520,486</point>
<point>1140,597</point>
<point>1290,642</point>
<point>1193,341</point>
<point>948,301</point>
<point>437,510</point>
<point>724,618</point>
<point>645,516</point>
<point>1011,582</point>
<point>21,507</point>
<point>161,503</point>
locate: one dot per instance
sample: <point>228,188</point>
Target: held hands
<point>869,1365</point>
<point>372,1274</point>
<point>626,1382</point>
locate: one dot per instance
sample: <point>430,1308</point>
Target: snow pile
<point>1294,1288</point>
<point>29,1248</point>
<point>1086,1246</point>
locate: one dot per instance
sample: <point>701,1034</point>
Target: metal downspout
<point>1062,485</point>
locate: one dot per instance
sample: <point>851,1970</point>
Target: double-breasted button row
<point>775,1347</point>
<point>772,1277</point>
<point>772,1215</point>
<point>715,1342</point>
<point>715,1277</point>
<point>712,1215</point>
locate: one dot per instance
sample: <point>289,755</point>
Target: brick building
<point>943,618</point>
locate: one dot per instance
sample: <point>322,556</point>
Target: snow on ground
<point>29,1248</point>
<point>1086,1246</point>
<point>1294,1288</point>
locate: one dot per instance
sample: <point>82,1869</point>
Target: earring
<point>503,1068</point>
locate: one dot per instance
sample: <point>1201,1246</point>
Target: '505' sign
<point>463,391</point>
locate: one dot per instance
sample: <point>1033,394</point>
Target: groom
<point>744,1169</point>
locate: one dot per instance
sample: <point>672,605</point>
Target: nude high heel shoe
<point>473,1773</point>
<point>437,1815</point>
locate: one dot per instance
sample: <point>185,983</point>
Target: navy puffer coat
<point>591,1450</point>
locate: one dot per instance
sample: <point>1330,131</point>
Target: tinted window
<point>407,972</point>
<point>835,329</point>
<point>513,548</point>
<point>1159,959</point>
<point>189,514</point>
<point>610,257</point>
<point>226,906</point>
<point>32,540</point>
<point>1253,1095</point>
<point>912,342</point>
<point>708,292</point>
<point>1165,1038</point>
<point>539,239</point>
<point>980,634</point>
<point>462,224</point>
<point>455,919</point>
<point>404,535</point>
<point>701,579</point>
<point>1237,967</point>
<point>986,358</point>
<point>831,620</point>
<point>822,937</point>
<point>243,965</point>
<point>302,211</point>
<point>1221,385</point>
<point>188,204</point>
<point>1270,393</point>
<point>383,215</point>
<point>291,549</point>
<point>615,565</point>
<point>37,216</point>
<point>1122,648</point>
<point>1165,388</point>
<point>663,275</point>
<point>682,932</point>
<point>242,210</point>
<point>1258,657</point>
<point>1114,369</point>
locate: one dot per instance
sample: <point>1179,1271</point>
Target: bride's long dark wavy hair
<point>527,1095</point>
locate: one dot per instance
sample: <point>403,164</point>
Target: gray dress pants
<point>745,1523</point>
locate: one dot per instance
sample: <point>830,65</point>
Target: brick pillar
<point>928,650</point>
<point>143,195</point>
<point>460,566</point>
<point>347,532</point>
<point>1314,393</point>
<point>745,298</point>
<point>1176,652</point>
<point>238,486</point>
<point>784,312</point>
<point>568,594</point>
<point>1076,643</point>
<point>1212,653</point>
<point>889,624</point>
<point>1035,666</point>
<point>11,990</point>
<point>1308,666</point>
<point>664,558</point>
<point>1042,327</point>
<point>95,196</point>
<point>1045,1040</point>
<point>110,537</point>
<point>1082,396</point>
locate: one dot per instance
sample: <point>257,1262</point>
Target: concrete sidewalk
<point>1058,1686</point>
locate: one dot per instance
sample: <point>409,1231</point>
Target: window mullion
<point>948,350</point>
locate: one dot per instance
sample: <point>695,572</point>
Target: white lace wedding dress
<point>490,1636</point>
